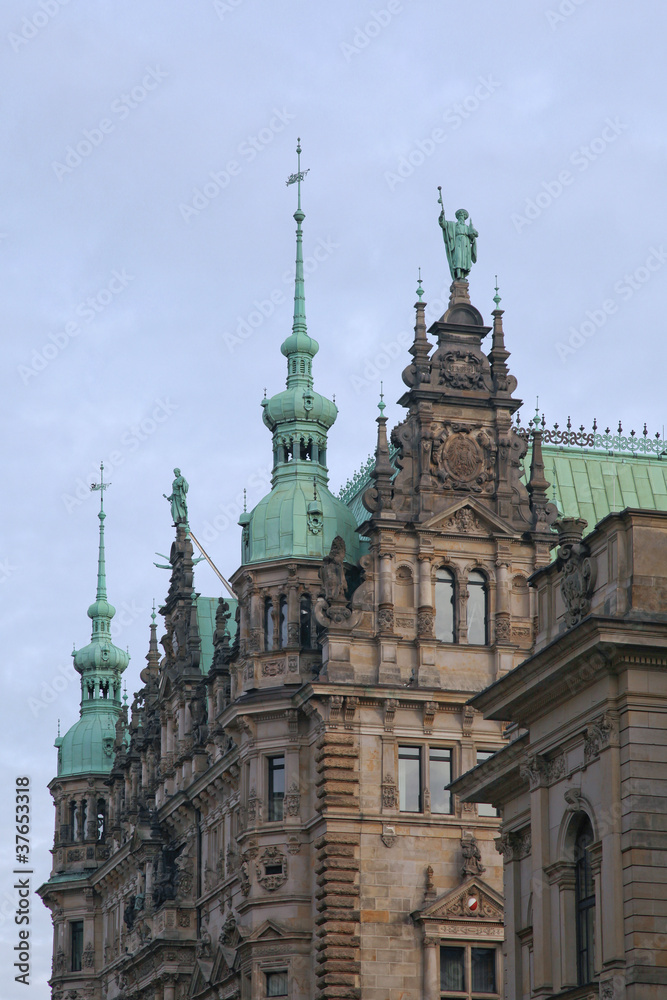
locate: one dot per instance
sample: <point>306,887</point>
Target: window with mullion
<point>468,972</point>
<point>276,795</point>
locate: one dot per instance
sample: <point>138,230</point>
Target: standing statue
<point>179,506</point>
<point>460,242</point>
<point>332,571</point>
<point>472,857</point>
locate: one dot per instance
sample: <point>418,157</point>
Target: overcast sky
<point>147,247</point>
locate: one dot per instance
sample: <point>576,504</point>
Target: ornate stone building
<point>581,783</point>
<point>273,817</point>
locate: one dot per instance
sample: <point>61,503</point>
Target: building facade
<point>581,783</point>
<point>272,817</point>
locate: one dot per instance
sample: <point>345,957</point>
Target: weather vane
<point>101,486</point>
<point>300,174</point>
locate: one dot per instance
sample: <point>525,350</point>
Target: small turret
<point>87,745</point>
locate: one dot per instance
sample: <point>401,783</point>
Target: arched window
<point>283,622</point>
<point>305,622</point>
<point>478,632</point>
<point>268,623</point>
<point>584,891</point>
<point>445,619</point>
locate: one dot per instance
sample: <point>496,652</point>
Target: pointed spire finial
<point>125,693</point>
<point>245,501</point>
<point>420,290</point>
<point>153,615</point>
<point>58,728</point>
<point>101,570</point>
<point>381,404</point>
<point>496,297</point>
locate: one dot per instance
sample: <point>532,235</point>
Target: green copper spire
<point>299,517</point>
<point>420,290</point>
<point>299,349</point>
<point>496,297</point>
<point>87,746</point>
<point>382,405</point>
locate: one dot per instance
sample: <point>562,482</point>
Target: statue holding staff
<point>177,499</point>
<point>460,242</point>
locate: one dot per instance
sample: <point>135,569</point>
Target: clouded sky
<point>147,247</point>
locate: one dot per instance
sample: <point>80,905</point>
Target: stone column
<point>542,936</point>
<point>425,586</point>
<point>561,874</point>
<point>431,984</point>
<point>502,632</point>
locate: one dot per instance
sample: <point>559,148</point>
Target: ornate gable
<point>469,517</point>
<point>471,910</point>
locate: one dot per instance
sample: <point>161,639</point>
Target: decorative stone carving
<point>429,891</point>
<point>503,627</point>
<point>463,521</point>
<point>514,846</point>
<point>430,708</point>
<point>335,706</point>
<point>271,668</point>
<point>578,570</point>
<point>255,640</point>
<point>472,858</point>
<point>390,706</point>
<point>462,458</point>
<point>467,721</point>
<point>386,620</point>
<point>388,836</point>
<point>293,634</point>
<point>389,793</point>
<point>349,711</point>
<point>293,844</point>
<point>293,800</point>
<point>425,620</point>
<point>462,369</point>
<point>538,771</point>
<point>88,957</point>
<point>598,736</point>
<point>293,664</point>
<point>271,868</point>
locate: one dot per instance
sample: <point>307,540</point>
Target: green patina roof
<point>591,484</point>
<point>206,609</point>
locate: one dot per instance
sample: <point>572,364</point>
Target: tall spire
<point>299,323</point>
<point>299,348</point>
<point>101,567</point>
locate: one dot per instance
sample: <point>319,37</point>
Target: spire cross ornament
<point>100,487</point>
<point>420,290</point>
<point>300,174</point>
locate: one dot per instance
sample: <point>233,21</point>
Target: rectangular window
<point>410,779</point>
<point>276,984</point>
<point>485,808</point>
<point>483,970</point>
<point>76,943</point>
<point>440,775</point>
<point>276,788</point>
<point>452,969</point>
